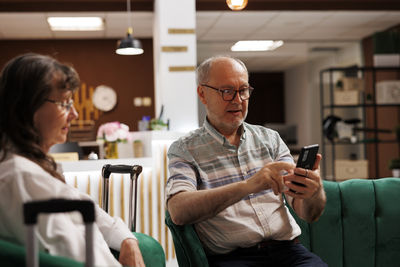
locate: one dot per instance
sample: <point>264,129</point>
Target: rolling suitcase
<point>134,171</point>
<point>31,212</point>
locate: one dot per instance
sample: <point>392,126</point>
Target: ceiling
<point>307,34</point>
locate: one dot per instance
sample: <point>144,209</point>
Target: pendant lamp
<point>236,4</point>
<point>129,45</point>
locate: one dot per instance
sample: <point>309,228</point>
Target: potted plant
<point>394,165</point>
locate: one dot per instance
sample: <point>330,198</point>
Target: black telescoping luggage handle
<point>56,205</point>
<point>132,170</point>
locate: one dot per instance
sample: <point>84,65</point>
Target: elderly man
<point>228,178</point>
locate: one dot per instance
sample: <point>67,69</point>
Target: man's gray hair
<point>203,70</point>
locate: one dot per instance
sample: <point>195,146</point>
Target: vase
<point>111,150</point>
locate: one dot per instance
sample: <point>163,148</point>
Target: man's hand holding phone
<point>304,178</point>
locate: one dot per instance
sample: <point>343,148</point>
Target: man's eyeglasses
<point>230,94</point>
<point>66,106</point>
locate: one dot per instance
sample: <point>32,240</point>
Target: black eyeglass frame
<point>65,105</point>
<point>223,91</point>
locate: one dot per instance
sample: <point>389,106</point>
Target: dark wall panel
<point>97,63</point>
<point>267,103</point>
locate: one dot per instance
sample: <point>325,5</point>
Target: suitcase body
<point>34,208</point>
<point>134,171</point>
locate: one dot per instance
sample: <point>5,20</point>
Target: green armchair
<point>359,227</point>
<point>12,255</point>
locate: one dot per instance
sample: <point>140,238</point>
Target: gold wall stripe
<point>122,206</point>
<point>150,203</point>
<point>111,209</point>
<point>165,161</point>
<point>75,181</point>
<point>141,205</point>
<point>88,185</point>
<point>100,190</point>
<point>164,164</point>
<point>180,31</point>
<point>174,48</point>
<point>159,204</point>
<point>182,68</point>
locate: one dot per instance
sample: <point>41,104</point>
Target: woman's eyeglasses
<point>66,106</point>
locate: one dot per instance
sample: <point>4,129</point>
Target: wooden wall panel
<point>97,63</point>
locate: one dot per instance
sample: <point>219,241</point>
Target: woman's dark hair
<point>25,82</point>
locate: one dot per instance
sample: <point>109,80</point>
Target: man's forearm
<point>311,209</point>
<point>192,207</point>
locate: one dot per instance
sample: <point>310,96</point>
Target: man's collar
<point>220,137</point>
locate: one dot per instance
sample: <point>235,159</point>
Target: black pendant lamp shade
<point>129,45</point>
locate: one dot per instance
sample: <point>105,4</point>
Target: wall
<point>302,93</point>
<point>387,117</point>
<point>97,63</point>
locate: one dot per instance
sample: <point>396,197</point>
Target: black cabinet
<point>357,125</point>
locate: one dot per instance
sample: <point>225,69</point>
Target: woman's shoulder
<point>16,163</point>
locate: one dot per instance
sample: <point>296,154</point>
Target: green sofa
<point>12,255</point>
<point>359,227</point>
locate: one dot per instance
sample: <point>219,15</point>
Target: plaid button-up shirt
<point>204,159</point>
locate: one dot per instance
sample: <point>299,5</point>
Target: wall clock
<point>104,98</point>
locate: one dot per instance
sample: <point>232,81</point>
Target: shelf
<point>361,106</point>
<point>373,69</point>
<point>370,114</point>
<point>360,142</point>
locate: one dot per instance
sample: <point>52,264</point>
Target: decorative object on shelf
<point>104,98</point>
<point>157,124</point>
<point>138,148</point>
<point>129,45</point>
<point>388,92</point>
<point>115,136</point>
<point>236,5</point>
<point>394,165</point>
<point>351,169</point>
<point>329,126</point>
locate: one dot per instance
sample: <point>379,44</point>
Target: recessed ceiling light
<point>76,23</point>
<point>259,45</point>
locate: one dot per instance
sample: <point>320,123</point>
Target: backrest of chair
<point>14,255</point>
<point>359,224</point>
<point>188,248</point>
<point>358,227</point>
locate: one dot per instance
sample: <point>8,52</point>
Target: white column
<point>175,82</point>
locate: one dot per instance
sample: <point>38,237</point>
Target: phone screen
<point>306,160</point>
<point>307,157</point>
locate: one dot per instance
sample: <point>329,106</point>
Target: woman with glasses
<point>36,110</point>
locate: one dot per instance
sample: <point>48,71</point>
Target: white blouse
<point>62,234</point>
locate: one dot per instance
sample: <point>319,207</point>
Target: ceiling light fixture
<point>236,4</point>
<point>76,23</point>
<point>261,45</point>
<point>129,45</point>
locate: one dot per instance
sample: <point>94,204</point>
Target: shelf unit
<point>366,110</point>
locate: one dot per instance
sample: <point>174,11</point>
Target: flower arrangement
<point>114,132</point>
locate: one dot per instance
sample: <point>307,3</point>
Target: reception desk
<point>86,176</point>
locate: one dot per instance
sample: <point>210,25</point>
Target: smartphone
<point>306,160</point>
<point>307,157</point>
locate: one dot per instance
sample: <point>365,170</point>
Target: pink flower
<point>114,132</point>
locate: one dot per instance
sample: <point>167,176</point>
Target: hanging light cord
<point>128,9</point>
